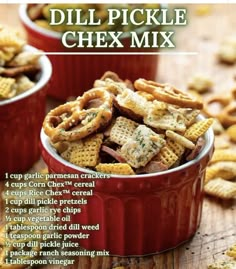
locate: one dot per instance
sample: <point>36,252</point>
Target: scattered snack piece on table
<point>228,115</point>
<point>223,155</point>
<point>227,50</point>
<point>203,10</point>
<point>214,104</point>
<point>223,265</point>
<point>217,127</point>
<point>200,83</point>
<point>143,133</point>
<point>222,142</point>
<point>223,169</point>
<point>231,252</point>
<point>17,67</point>
<point>221,188</point>
<point>231,132</point>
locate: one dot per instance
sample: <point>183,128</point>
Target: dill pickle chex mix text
<point>112,38</point>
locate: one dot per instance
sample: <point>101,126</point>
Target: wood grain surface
<point>217,232</point>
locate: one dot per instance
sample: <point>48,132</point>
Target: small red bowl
<point>74,74</point>
<point>20,123</point>
<point>137,215</point>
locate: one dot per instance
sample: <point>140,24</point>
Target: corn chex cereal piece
<point>198,129</point>
<point>7,87</point>
<point>223,265</point>
<point>115,168</point>
<point>177,148</point>
<point>133,101</point>
<point>223,155</point>
<point>224,170</point>
<point>166,156</point>
<point>180,139</point>
<point>86,154</point>
<point>10,38</point>
<point>232,251</point>
<point>221,188</point>
<point>122,130</point>
<point>142,146</point>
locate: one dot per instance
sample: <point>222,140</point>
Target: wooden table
<point>218,227</point>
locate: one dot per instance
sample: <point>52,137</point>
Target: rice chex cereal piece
<point>142,146</point>
<point>115,168</point>
<point>122,130</point>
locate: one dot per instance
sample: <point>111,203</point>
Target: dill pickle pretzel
<point>6,245</point>
<point>73,121</point>
<point>167,93</point>
<point>221,100</point>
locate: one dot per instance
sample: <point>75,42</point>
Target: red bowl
<point>20,123</point>
<point>74,74</point>
<point>137,215</point>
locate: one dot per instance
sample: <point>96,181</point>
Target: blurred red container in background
<point>74,74</point>
<point>20,123</point>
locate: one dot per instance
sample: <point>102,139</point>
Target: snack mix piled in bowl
<point>126,129</point>
<point>18,67</point>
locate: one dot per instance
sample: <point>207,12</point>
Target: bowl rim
<point>57,35</point>
<point>46,72</point>
<point>209,142</point>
